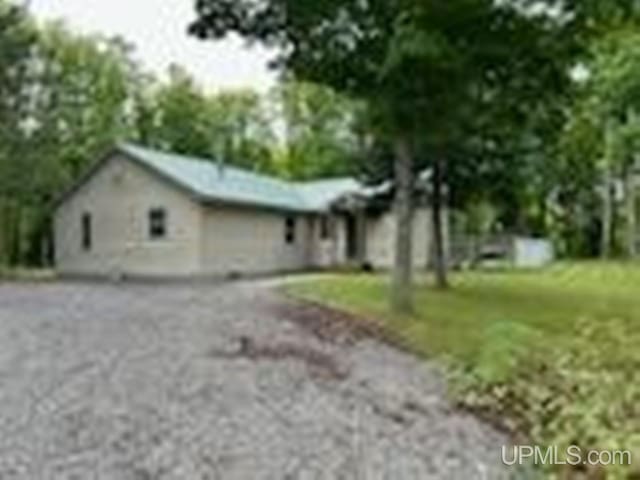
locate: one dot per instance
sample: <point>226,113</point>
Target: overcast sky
<point>157,28</point>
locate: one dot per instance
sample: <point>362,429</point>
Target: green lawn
<point>456,322</point>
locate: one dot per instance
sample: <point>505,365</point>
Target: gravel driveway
<point>213,382</point>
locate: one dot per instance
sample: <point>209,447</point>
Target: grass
<point>25,275</point>
<point>454,323</point>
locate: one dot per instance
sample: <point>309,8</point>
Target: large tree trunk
<point>402,288</point>
<point>439,251</point>
<point>606,241</point>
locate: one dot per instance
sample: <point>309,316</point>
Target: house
<point>145,213</point>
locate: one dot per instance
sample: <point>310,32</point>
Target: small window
<point>87,234</point>
<point>290,230</point>
<point>157,223</point>
<point>325,227</point>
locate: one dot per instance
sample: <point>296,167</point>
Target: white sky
<point>157,29</point>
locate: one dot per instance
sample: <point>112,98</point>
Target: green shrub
<point>581,391</point>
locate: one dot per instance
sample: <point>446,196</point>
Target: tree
<point>242,127</point>
<point>17,40</point>
<point>426,70</point>
<point>581,153</point>
<point>230,125</point>
<point>507,151</point>
<point>493,77</point>
<point>78,97</point>
<point>81,105</point>
<point>604,130</point>
<point>176,116</point>
<point>361,49</point>
<point>321,138</point>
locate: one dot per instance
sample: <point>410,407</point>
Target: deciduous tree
<point>320,131</point>
<point>17,43</point>
<point>367,50</point>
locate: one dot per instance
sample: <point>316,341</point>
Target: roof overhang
<point>207,200</point>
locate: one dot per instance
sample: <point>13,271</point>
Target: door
<point>352,237</point>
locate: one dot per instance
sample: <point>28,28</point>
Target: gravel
<point>196,382</point>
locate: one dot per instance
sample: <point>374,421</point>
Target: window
<point>325,227</point>
<point>290,230</point>
<point>157,223</point>
<point>87,237</point>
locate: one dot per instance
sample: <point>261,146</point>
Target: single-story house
<point>144,213</point>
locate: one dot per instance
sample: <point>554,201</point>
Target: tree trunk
<point>608,208</point>
<point>4,225</point>
<point>607,216</point>
<point>439,252</point>
<point>15,238</point>
<point>632,227</point>
<point>46,245</point>
<point>402,289</point>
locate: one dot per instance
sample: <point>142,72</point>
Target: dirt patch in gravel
<point>320,364</point>
<point>336,326</point>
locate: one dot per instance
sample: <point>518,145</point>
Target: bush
<point>583,390</point>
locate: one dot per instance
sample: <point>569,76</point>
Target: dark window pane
<point>290,230</point>
<point>87,237</point>
<point>157,223</point>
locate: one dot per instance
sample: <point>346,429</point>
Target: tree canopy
<point>321,137</point>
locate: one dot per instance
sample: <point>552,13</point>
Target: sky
<point>157,30</point>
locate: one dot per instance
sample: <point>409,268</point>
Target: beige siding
<point>246,241</point>
<point>381,239</point>
<point>328,252</point>
<point>119,197</point>
<point>379,242</point>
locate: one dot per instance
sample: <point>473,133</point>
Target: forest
<point>524,111</point>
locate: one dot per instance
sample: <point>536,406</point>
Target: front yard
<point>551,355</point>
<point>554,301</point>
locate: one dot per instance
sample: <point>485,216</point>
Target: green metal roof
<point>319,195</point>
<point>210,181</point>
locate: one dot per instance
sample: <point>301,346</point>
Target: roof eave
<point>195,195</point>
<point>211,201</point>
<point>85,177</point>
